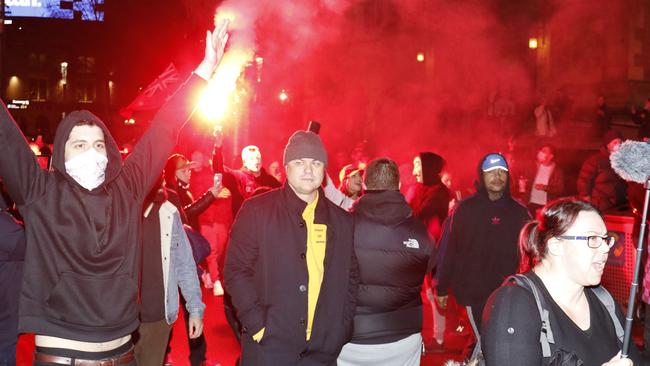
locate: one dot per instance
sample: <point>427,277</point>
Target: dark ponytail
<point>529,250</point>
<point>552,221</point>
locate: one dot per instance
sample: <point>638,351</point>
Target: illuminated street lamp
<point>532,43</point>
<point>64,72</point>
<point>283,96</point>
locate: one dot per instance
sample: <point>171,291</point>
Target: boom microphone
<point>631,161</point>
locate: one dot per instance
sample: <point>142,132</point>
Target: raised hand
<point>215,45</point>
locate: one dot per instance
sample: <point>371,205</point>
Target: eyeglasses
<point>593,241</point>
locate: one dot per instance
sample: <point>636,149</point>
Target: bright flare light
<point>420,57</point>
<point>218,97</point>
<point>532,43</point>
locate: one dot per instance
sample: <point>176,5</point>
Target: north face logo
<point>411,243</point>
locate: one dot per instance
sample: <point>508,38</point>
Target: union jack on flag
<point>155,94</point>
<point>163,81</point>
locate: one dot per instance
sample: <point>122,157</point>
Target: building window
<point>86,64</point>
<point>37,60</point>
<point>38,90</point>
<point>86,92</point>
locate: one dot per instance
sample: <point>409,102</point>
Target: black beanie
<point>304,144</point>
<point>432,165</point>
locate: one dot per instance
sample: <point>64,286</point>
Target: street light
<point>64,72</point>
<point>283,96</point>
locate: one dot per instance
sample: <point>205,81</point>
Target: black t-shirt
<point>152,295</point>
<point>511,329</point>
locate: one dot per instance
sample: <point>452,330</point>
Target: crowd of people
<point>311,273</point>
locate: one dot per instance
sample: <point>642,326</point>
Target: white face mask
<point>252,160</point>
<point>88,168</point>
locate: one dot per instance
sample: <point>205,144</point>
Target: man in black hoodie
<point>80,284</point>
<point>481,240</point>
<point>430,197</point>
<point>394,253</point>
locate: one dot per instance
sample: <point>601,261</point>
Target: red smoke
<point>352,66</point>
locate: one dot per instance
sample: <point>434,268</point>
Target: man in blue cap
<point>481,240</point>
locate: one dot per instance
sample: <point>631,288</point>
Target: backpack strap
<point>606,299</point>
<point>546,334</point>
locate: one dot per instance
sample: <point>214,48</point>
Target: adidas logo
<point>411,243</point>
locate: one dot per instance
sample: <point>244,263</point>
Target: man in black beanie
<point>290,249</point>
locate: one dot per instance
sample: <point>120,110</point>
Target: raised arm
<point>217,151</point>
<point>239,270</point>
<point>19,170</point>
<point>146,162</point>
<point>335,196</point>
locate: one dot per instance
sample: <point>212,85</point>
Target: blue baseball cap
<point>493,162</point>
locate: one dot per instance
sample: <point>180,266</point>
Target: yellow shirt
<point>315,256</point>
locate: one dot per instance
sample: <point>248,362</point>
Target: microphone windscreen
<point>631,161</point>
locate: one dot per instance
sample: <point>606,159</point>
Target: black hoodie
<point>394,254</point>
<point>430,202</point>
<point>81,268</point>
<point>482,244</point>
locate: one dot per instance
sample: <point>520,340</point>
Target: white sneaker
<point>207,281</point>
<point>217,290</point>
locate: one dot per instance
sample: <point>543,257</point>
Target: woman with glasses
<point>563,253</point>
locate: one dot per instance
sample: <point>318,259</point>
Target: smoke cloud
<point>400,76</point>
<point>352,65</point>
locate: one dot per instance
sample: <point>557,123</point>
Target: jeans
<point>8,355</point>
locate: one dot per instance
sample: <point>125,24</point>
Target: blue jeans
<point>8,355</point>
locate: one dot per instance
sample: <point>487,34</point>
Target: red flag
<point>154,95</point>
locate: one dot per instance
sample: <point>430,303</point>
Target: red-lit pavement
<point>222,345</point>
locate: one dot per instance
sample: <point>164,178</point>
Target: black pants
<point>231,317</point>
<point>198,346</point>
<point>74,354</point>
